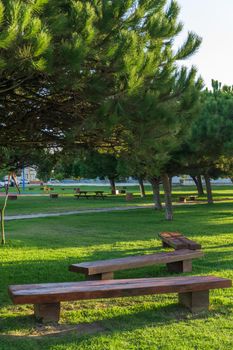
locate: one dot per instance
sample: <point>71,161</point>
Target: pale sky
<point>213,21</point>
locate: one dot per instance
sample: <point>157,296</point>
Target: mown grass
<point>66,201</point>
<point>40,250</point>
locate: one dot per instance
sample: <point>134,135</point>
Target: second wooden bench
<point>176,261</point>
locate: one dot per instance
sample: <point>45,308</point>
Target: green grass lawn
<point>40,250</point>
<point>66,201</point>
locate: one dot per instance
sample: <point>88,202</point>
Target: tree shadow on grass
<point>81,335</point>
<point>154,316</point>
<point>228,245</point>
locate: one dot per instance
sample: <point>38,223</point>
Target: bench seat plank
<point>178,241</point>
<point>102,266</point>
<point>57,292</point>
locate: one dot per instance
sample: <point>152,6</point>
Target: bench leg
<point>195,301</point>
<point>46,313</point>
<point>180,266</point>
<point>101,276</point>
<point>165,245</point>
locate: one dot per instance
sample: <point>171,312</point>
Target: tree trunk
<point>156,192</point>
<point>170,182</point>
<point>3,240</point>
<point>198,183</point>
<point>200,186</point>
<point>194,180</point>
<point>142,187</point>
<point>231,179</point>
<point>2,214</point>
<point>168,197</point>
<point>113,185</point>
<point>208,189</point>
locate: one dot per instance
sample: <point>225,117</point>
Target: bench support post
<point>100,276</point>
<point>180,266</point>
<point>46,313</point>
<point>195,301</point>
<point>165,245</point>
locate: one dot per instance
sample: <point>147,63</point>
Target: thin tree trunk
<point>198,183</point>
<point>156,192</point>
<point>170,182</point>
<point>113,185</point>
<point>231,179</point>
<point>142,187</point>
<point>194,180</point>
<point>2,214</point>
<point>168,197</point>
<point>208,189</point>
<point>3,240</point>
<point>200,186</point>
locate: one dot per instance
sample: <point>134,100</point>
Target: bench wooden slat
<point>170,234</point>
<point>57,292</point>
<point>177,241</point>
<point>101,266</point>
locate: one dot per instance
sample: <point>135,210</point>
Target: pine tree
<point>79,61</point>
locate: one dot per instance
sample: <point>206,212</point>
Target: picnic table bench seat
<point>177,261</point>
<point>178,241</point>
<point>193,292</point>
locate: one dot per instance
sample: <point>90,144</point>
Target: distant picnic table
<point>88,194</point>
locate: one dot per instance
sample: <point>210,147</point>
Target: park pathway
<point>74,212</point>
<point>87,211</point>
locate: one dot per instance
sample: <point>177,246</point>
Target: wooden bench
<point>99,194</point>
<point>80,194</point>
<point>129,196</point>
<point>193,292</point>
<point>12,197</point>
<point>177,241</point>
<point>88,194</point>
<point>53,195</point>
<point>177,261</point>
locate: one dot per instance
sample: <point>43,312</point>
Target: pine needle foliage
<point>78,70</point>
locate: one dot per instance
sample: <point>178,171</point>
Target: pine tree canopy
<point>209,143</point>
<point>75,72</point>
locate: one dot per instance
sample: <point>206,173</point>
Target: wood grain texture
<point>177,241</point>
<point>195,301</point>
<point>180,266</point>
<point>56,292</point>
<point>101,266</point>
<point>47,313</point>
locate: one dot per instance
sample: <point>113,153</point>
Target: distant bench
<point>183,199</point>
<point>12,197</point>
<point>178,241</point>
<point>54,195</point>
<point>177,261</point>
<point>88,194</point>
<point>193,292</point>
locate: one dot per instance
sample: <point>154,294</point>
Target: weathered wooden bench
<point>12,197</point>
<point>53,195</point>
<point>193,292</point>
<point>178,241</point>
<point>177,261</point>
